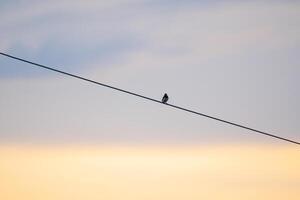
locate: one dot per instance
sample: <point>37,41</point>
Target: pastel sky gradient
<point>61,138</point>
<point>237,60</point>
<point>134,173</point>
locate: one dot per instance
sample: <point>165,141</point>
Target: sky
<point>222,172</point>
<point>230,59</point>
<point>235,60</point>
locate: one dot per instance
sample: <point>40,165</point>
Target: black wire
<point>150,99</point>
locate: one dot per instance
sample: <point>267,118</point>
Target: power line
<point>151,99</point>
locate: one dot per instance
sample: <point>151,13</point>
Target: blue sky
<point>237,60</point>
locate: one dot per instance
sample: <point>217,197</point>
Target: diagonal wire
<point>151,99</point>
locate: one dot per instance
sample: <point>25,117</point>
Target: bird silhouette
<point>165,98</point>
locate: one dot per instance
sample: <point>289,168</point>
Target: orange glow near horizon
<point>148,173</point>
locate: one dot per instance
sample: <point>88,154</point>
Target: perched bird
<point>165,98</point>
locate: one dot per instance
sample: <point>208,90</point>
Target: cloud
<point>209,31</point>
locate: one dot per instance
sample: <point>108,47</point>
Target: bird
<point>165,98</point>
